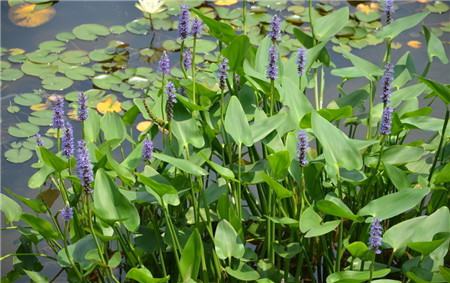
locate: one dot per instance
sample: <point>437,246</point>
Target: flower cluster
<point>58,113</point>
<point>386,121</point>
<point>67,141</point>
<point>171,100</point>
<point>164,63</point>
<point>67,213</point>
<point>147,150</point>
<point>301,61</point>
<point>272,67</point>
<point>302,147</point>
<point>39,141</point>
<point>187,59</point>
<point>84,167</point>
<point>222,73</point>
<point>196,27</point>
<point>275,29</point>
<point>387,79</point>
<point>82,107</point>
<point>389,10</point>
<point>183,22</point>
<point>375,236</point>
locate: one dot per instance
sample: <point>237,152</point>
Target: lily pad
<point>11,74</point>
<point>42,56</point>
<point>55,46</point>
<point>65,36</point>
<point>78,57</point>
<point>27,99</point>
<point>23,130</point>
<point>41,118</point>
<point>18,155</point>
<point>79,73</point>
<point>56,83</point>
<point>90,31</point>
<point>139,26</point>
<point>117,29</point>
<point>106,81</point>
<point>101,55</point>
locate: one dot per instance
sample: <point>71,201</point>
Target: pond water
<point>70,14</point>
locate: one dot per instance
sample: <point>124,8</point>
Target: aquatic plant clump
<point>257,142</point>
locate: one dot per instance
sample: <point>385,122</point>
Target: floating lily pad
<point>13,109</point>
<point>18,155</point>
<point>79,73</point>
<point>11,74</point>
<point>90,31</point>
<point>100,55</point>
<point>38,70</point>
<point>438,7</point>
<point>138,82</point>
<point>42,56</point>
<point>56,83</point>
<point>23,130</point>
<point>78,57</point>
<point>139,26</point>
<point>27,99</point>
<point>30,143</point>
<point>106,81</point>
<point>117,29</point>
<point>52,46</point>
<point>65,36</point>
<point>203,45</point>
<point>147,52</point>
<point>170,45</point>
<point>41,118</point>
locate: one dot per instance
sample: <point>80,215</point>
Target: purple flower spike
<point>386,121</point>
<point>302,147</point>
<point>164,63</point>
<point>375,236</point>
<point>84,167</point>
<point>222,73</point>
<point>389,10</point>
<point>187,59</point>
<point>183,22</point>
<point>147,150</point>
<point>67,213</point>
<point>67,141</point>
<point>58,113</point>
<point>272,67</point>
<point>171,100</point>
<point>275,28</point>
<point>196,27</point>
<point>387,79</point>
<point>301,61</point>
<point>39,141</point>
<point>82,107</point>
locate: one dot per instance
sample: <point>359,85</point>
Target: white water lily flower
<point>151,6</point>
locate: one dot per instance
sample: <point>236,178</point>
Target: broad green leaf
<point>188,132</point>
<point>338,150</point>
<point>442,91</point>
<point>399,154</point>
<point>357,249</point>
<point>219,30</point>
<point>52,160</point>
<point>400,25</point>
<point>363,66</point>
<point>78,252</point>
<point>394,204</point>
<point>182,164</point>
<point>425,248</point>
<point>279,164</point>
<point>279,190</point>
<point>334,206</point>
<point>311,224</point>
<point>263,127</point>
<point>236,52</point>
<point>143,275</point>
<point>243,273</point>
<point>42,226</point>
<point>442,176</point>
<point>227,242</point>
<point>435,48</point>
<point>10,208</point>
<point>91,127</point>
<point>164,193</point>
<point>112,126</point>
<point>191,257</point>
<point>134,158</point>
<point>223,171</point>
<point>397,176</point>
<point>110,205</point>
<point>329,25</point>
<point>356,276</point>
<point>236,124</point>
<point>418,229</point>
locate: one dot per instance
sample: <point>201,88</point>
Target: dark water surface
<point>72,13</point>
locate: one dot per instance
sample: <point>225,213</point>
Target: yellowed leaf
<point>143,126</point>
<point>367,8</point>
<point>39,107</point>
<point>414,44</point>
<point>72,114</point>
<point>30,15</point>
<point>422,1</point>
<point>16,51</point>
<point>225,2</point>
<point>108,105</point>
<point>396,45</point>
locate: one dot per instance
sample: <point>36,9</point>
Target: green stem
<point>272,96</point>
<point>193,71</point>
<point>441,142</point>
